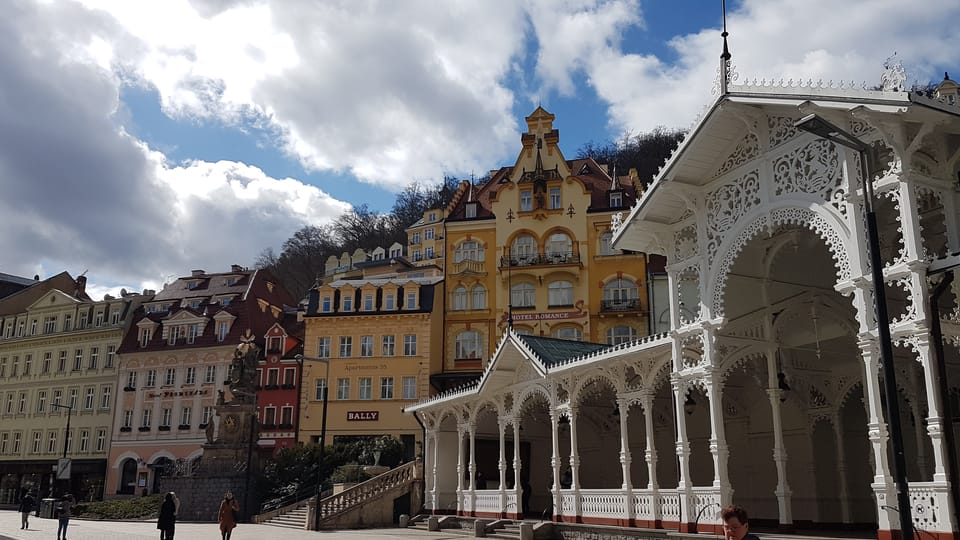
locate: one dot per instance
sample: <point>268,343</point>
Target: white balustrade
<point>929,506</point>
<point>603,503</point>
<point>488,500</point>
<point>511,505</point>
<point>643,504</point>
<point>669,505</point>
<point>567,500</point>
<point>706,505</point>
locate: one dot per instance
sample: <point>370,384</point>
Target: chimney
<point>80,286</point>
<point>236,268</point>
<point>196,273</point>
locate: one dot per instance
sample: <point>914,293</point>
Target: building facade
<point>378,340</point>
<point>530,248</point>
<point>766,391</point>
<point>279,381</point>
<point>58,368</point>
<point>174,365</point>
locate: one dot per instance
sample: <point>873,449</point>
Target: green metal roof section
<point>553,351</point>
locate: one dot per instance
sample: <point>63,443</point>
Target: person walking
<point>63,515</point>
<point>26,506</point>
<point>227,517</point>
<point>168,517</point>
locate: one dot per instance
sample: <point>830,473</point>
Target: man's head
<point>736,525</point>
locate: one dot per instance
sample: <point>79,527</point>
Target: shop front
<point>85,483</point>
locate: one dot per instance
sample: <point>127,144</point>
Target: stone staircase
<point>295,518</point>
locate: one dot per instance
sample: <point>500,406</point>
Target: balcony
<point>541,259</point>
<point>632,305</point>
<point>143,429</point>
<point>468,266</point>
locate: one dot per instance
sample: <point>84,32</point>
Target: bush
<point>120,509</point>
<point>350,473</point>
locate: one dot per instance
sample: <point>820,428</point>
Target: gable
<point>53,299</point>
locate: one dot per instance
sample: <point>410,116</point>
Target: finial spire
<point>725,55</point>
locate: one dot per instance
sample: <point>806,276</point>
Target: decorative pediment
<point>54,299</point>
<point>526,372</point>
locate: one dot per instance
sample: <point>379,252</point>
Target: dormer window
<point>471,210</point>
<point>347,303</point>
<point>389,303</point>
<point>433,216</point>
<point>368,302</point>
<point>195,304</point>
<point>223,328</point>
<point>616,199</point>
<point>327,305</point>
<point>411,300</point>
<point>146,334</point>
<point>395,252</point>
<point>274,345</point>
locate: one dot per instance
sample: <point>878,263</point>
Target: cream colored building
<point>58,366</point>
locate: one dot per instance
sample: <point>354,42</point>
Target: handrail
<point>349,498</point>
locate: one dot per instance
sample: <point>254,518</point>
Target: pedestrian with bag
<point>168,517</point>
<point>227,517</point>
<point>26,506</point>
<point>63,515</point>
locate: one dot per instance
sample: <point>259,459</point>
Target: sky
<point>142,140</point>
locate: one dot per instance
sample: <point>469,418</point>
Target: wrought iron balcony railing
<point>540,259</point>
<point>632,304</point>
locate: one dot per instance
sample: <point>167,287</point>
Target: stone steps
<point>294,519</point>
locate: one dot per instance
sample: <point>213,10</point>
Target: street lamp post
<point>323,429</point>
<point>826,130</point>
<point>66,437</point>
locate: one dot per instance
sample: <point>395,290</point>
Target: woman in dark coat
<point>227,515</point>
<point>168,517</point>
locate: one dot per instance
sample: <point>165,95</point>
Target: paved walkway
<point>46,529</point>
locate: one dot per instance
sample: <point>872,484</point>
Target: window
<point>171,377</point>
<point>620,334</point>
<point>327,305</point>
<point>560,293</point>
<point>3,366</point>
<point>286,416</point>
<point>364,390</point>
<point>147,418</point>
<point>289,377</point>
<point>174,334</point>
<point>69,440</point>
<point>211,375</point>
<point>8,333</point>
<point>410,345</point>
<point>347,302</point>
<point>273,377</point>
<point>111,356</point>
<point>620,293</point>
<point>27,363</point>
<point>428,252</point>
<point>146,334</point>
<point>460,298</point>
<point>128,418</point>
<point>4,442</point>
<point>58,396</point>
<point>193,331</point>
<point>428,234</point>
<point>416,238</point>
<point>471,250</point>
<point>94,358</point>
<point>555,201</point>
<point>9,409</point>
<point>20,326</point>
<point>470,210</point>
<point>151,378</point>
<point>388,346</point>
<point>416,255</point>
<point>89,398</point>
<point>16,442</point>
<point>523,250</point>
<point>165,415</point>
<point>16,367</point>
<point>115,316</point>
<point>368,302</point>
<point>343,388</point>
<point>386,387</point>
<point>409,388</point>
<point>616,199</point>
<point>389,302</point>
<point>366,345</point>
<point>82,321</point>
<point>37,441</point>
<point>207,415</point>
<point>523,295</point>
<point>77,359</point>
<point>98,319</point>
<point>559,247</point>
<point>33,327</point>
<point>84,440</point>
<point>479,297</point>
<point>51,442</point>
<point>411,300</point>
<point>132,379</point>
<point>67,320</point>
<point>323,347</point>
<point>50,324</point>
<point>223,328</point>
<point>606,245</point>
<point>62,362</point>
<point>346,346</point>
<point>42,401</point>
<point>468,345</point>
<point>101,440</point>
<point>105,397</point>
<point>186,416</point>
<point>526,200</point>
<point>23,403</point>
<point>191,376</point>
<point>321,389</point>
<point>571,333</point>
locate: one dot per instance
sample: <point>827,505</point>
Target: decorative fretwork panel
<point>727,204</point>
<point>780,129</point>
<point>747,149</point>
<point>685,243</point>
<point>890,228</point>
<point>688,292</point>
<point>933,226</point>
<point>814,169</point>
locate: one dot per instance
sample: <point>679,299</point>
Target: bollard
<point>404,521</point>
<point>433,523</point>
<point>526,531</point>
<point>479,528</point>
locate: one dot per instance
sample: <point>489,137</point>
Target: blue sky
<point>182,134</point>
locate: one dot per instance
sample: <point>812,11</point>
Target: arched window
<point>471,250</point>
<point>523,295</point>
<point>522,331</point>
<point>620,334</point>
<point>479,300</point>
<point>572,333</point>
<point>606,244</point>
<point>559,246</point>
<point>468,345</point>
<point>460,298</point>
<point>524,249</point>
<point>620,294</point>
<point>560,293</point>
<point>128,477</point>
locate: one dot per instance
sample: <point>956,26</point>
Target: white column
<point>555,460</point>
<point>684,484</point>
<point>473,469</point>
<point>774,393</point>
<point>934,406</point>
<point>517,488</point>
<point>625,459</point>
<point>651,453</point>
<point>574,462</point>
<point>841,467</point>
<point>718,440</point>
<point>883,485</point>
<point>460,466</point>
<point>436,459</point>
<point>502,463</point>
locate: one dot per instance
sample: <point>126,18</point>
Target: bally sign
<point>362,416</point>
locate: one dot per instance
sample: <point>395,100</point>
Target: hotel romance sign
<point>178,393</point>
<point>547,316</point>
<point>363,416</point>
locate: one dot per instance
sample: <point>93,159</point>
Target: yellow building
<point>425,239</point>
<point>58,385</point>
<point>378,338</point>
<point>530,247</point>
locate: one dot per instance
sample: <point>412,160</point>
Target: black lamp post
<point>825,130</point>
<point>323,430</point>
<point>66,437</point>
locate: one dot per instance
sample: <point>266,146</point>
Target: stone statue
<point>209,429</point>
<point>243,370</point>
<point>219,397</point>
